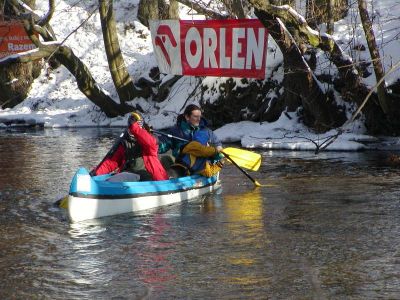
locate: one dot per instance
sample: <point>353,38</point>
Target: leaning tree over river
<point>295,36</point>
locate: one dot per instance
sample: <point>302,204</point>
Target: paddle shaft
<point>226,155</point>
<point>113,148</point>
<point>171,136</point>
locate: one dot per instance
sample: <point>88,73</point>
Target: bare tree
<point>57,53</point>
<point>65,55</point>
<point>203,9</point>
<point>325,11</point>
<point>14,91</point>
<point>374,52</point>
<point>235,8</point>
<point>157,10</point>
<point>302,88</point>
<point>350,85</point>
<point>331,19</point>
<point>148,10</point>
<point>119,73</point>
<point>173,9</point>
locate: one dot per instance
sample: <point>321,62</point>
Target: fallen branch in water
<point>319,143</point>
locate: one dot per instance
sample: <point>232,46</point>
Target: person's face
<point>194,118</point>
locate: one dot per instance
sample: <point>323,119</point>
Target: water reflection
<point>244,224</point>
<point>154,265</point>
<point>327,229</point>
<point>100,246</point>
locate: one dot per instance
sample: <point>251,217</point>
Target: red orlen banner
<point>229,48</point>
<point>13,38</point>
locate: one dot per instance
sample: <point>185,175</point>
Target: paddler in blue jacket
<point>202,154</point>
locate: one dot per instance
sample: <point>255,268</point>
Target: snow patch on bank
<point>287,133</point>
<point>55,100</point>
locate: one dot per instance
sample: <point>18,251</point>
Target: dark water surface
<point>329,228</point>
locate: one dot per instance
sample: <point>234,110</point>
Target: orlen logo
<point>166,43</point>
<point>164,35</point>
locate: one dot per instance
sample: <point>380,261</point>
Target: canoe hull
<point>107,198</point>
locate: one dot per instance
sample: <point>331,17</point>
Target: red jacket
<point>149,146</point>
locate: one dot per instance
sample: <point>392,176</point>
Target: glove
<point>135,117</point>
<point>221,163</point>
<point>218,156</point>
<point>148,128</point>
<point>219,149</point>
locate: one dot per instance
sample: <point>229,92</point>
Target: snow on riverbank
<point>55,100</point>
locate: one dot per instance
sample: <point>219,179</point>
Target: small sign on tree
<point>13,38</point>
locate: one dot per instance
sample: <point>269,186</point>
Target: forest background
<point>332,79</point>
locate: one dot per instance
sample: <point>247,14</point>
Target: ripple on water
<point>327,228</point>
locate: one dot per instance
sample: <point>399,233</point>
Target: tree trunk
<point>157,10</point>
<point>119,73</point>
<point>374,52</point>
<point>283,2</point>
<point>2,3</point>
<point>301,88</point>
<point>147,10</point>
<point>349,84</point>
<point>330,27</point>
<point>325,11</point>
<point>88,85</point>
<point>235,8</point>
<point>173,10</point>
<point>8,10</point>
<point>16,79</point>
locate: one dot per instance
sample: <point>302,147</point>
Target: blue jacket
<point>195,164</point>
<point>186,131</point>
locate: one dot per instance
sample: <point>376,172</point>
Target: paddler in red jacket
<point>136,152</point>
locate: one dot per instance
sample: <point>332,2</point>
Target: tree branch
<point>316,39</point>
<point>86,83</point>
<point>119,73</point>
<point>374,52</point>
<point>202,9</point>
<point>47,17</point>
<point>25,57</point>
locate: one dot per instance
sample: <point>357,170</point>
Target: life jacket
<point>132,152</point>
<point>195,164</point>
<point>201,136</point>
<point>184,130</point>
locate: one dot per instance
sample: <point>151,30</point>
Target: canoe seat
<point>124,176</point>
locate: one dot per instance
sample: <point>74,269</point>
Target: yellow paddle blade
<point>244,158</point>
<point>64,202</point>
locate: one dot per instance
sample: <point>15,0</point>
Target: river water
<point>326,227</point>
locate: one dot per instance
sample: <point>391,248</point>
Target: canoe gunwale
<point>138,195</point>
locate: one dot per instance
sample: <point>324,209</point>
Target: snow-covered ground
<point>55,100</point>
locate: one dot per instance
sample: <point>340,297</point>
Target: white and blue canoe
<point>95,197</point>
